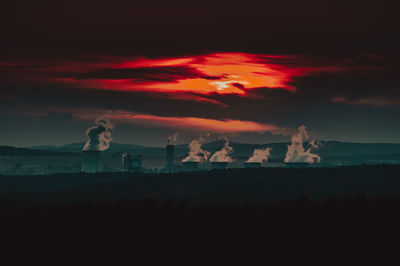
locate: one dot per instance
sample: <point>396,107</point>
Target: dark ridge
<point>13,151</point>
<point>326,149</point>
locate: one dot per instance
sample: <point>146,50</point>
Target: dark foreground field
<point>232,186</point>
<point>154,232</point>
<point>346,216</point>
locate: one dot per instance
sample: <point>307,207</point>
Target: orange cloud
<point>222,73</point>
<point>193,123</point>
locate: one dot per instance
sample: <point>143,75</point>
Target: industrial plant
<point>197,159</point>
<point>100,154</point>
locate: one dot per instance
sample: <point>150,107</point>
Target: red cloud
<point>222,73</point>
<point>149,120</point>
<point>194,123</point>
<point>193,76</point>
<point>188,123</point>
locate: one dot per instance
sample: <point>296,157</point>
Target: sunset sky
<point>253,72</point>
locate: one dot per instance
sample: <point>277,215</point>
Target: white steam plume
<point>224,154</point>
<point>99,135</point>
<point>314,144</point>
<point>260,155</point>
<point>196,154</point>
<point>173,138</point>
<point>296,152</point>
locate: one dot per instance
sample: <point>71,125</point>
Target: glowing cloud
<point>222,73</point>
<point>194,123</point>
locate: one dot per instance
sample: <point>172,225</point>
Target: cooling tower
<point>190,166</point>
<point>297,165</point>
<point>219,165</point>
<point>252,165</point>
<point>91,161</point>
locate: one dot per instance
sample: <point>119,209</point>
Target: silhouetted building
<point>219,165</point>
<point>91,161</point>
<point>132,163</point>
<point>137,163</point>
<point>170,158</point>
<point>252,165</point>
<point>126,161</point>
<point>297,164</point>
<point>190,166</point>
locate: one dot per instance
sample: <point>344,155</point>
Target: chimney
<point>91,161</point>
<point>170,158</point>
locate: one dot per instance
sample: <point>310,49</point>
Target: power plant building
<point>252,165</point>
<point>190,166</point>
<point>219,165</point>
<point>132,163</point>
<point>297,164</point>
<point>91,161</point>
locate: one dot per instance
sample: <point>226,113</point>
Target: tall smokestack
<point>91,161</point>
<point>170,152</point>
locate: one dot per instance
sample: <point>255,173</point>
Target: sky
<point>251,71</point>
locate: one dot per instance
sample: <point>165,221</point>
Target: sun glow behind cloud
<point>246,71</point>
<point>189,92</point>
<point>221,73</point>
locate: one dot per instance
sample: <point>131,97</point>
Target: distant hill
<point>328,149</point>
<point>114,147</point>
<point>13,151</point>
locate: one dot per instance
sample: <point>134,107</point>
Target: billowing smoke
<point>260,155</point>
<point>296,152</point>
<point>99,135</point>
<point>196,154</point>
<point>224,154</point>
